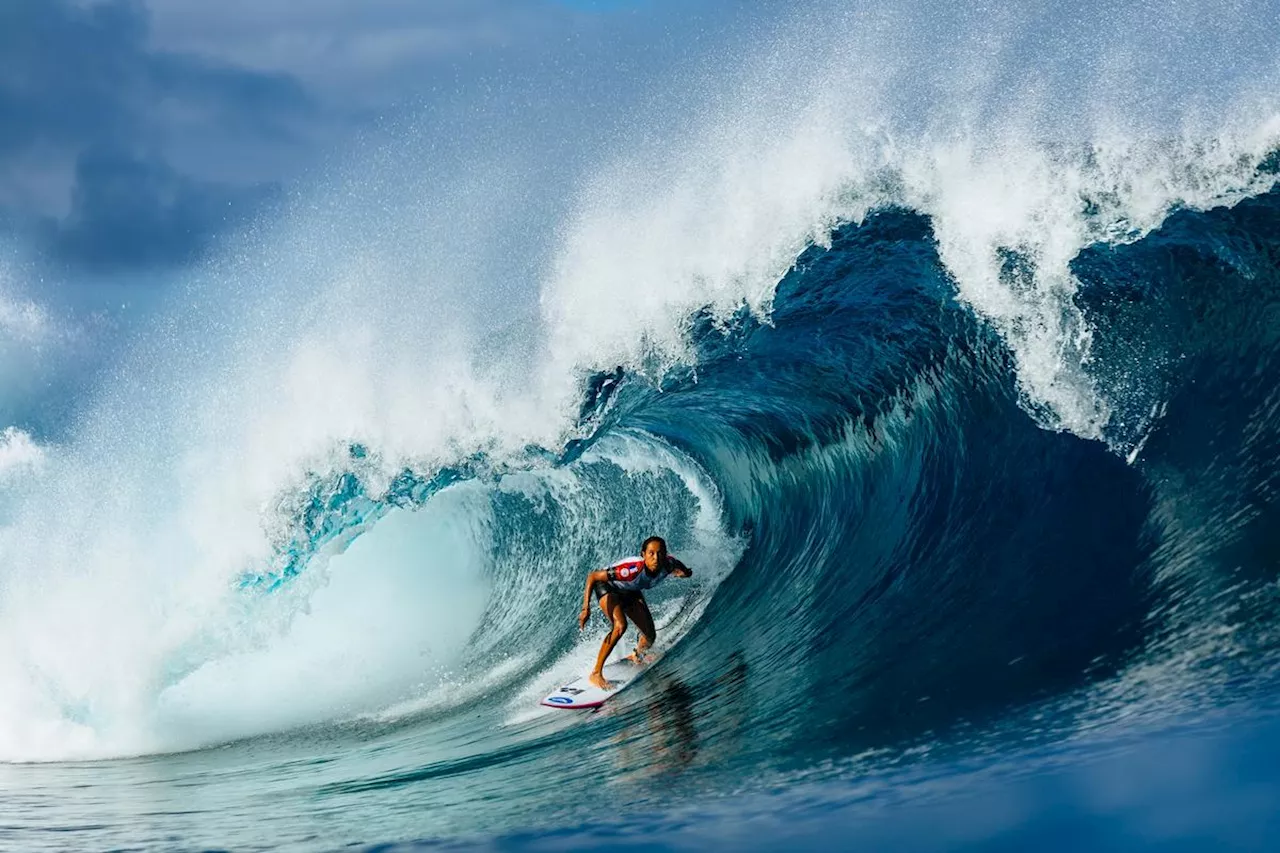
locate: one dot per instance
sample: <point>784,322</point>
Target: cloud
<point>102,136</point>
<point>137,210</point>
<point>88,74</point>
<point>19,455</point>
<point>134,134</point>
<point>359,55</point>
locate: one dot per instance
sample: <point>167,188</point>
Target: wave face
<point>970,438</point>
<point>922,557</point>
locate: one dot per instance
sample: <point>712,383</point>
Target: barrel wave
<point>970,438</point>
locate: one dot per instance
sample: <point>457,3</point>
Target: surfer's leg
<point>637,611</point>
<point>613,610</point>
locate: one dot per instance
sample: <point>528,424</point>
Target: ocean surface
<point>958,387</point>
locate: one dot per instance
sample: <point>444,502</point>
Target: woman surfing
<point>620,590</point>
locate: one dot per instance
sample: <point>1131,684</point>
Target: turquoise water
<point>960,395</point>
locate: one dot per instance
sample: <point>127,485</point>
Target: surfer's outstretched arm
<point>593,578</point>
<point>679,569</point>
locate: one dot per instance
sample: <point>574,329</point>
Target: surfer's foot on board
<point>597,679</point>
<point>639,657</point>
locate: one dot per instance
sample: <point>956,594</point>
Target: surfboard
<point>581,693</point>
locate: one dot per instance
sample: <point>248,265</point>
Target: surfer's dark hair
<point>645,544</point>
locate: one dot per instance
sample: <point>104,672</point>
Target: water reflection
<point>676,729</point>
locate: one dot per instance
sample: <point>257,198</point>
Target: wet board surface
<point>580,693</point>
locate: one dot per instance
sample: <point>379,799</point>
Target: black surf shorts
<point>622,596</point>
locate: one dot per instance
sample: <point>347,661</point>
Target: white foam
<point>407,307</point>
<point>399,606</point>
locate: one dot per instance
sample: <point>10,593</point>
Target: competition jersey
<point>629,575</point>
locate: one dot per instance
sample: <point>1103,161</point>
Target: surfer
<point>620,590</point>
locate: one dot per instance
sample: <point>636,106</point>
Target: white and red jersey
<point>630,575</point>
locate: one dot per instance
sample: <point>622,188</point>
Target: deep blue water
<point>922,618</point>
<point>948,627</point>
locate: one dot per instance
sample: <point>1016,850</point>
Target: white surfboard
<point>581,693</point>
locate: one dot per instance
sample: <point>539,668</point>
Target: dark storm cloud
<point>60,71</point>
<point>89,114</point>
<point>128,209</point>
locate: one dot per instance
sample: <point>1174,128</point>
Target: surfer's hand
<point>582,618</point>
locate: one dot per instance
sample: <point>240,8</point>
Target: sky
<point>132,133</point>
<point>138,137</point>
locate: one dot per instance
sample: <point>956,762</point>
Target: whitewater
<point>943,345</point>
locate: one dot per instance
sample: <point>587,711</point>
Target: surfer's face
<point>654,555</point>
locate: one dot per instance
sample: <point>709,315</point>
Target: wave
<point>916,551</point>
<point>950,419</point>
